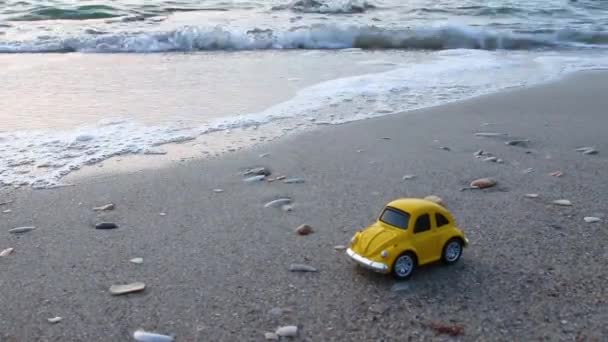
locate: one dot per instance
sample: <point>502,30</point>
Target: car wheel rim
<point>452,252</point>
<point>404,266</point>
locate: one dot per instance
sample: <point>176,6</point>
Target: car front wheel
<point>404,266</point>
<point>452,251</point>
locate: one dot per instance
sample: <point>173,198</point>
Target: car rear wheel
<point>452,251</point>
<point>404,266</point>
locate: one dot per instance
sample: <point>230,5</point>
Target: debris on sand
<point>54,320</point>
<point>278,203</point>
<point>137,260</point>
<point>21,230</point>
<point>556,174</point>
<point>105,207</point>
<point>304,229</point>
<point>258,171</point>
<point>106,225</point>
<point>118,290</point>
<point>6,252</point>
<point>253,179</point>
<point>483,183</point>
<point>563,202</point>
<point>301,268</point>
<point>587,150</point>
<point>434,198</point>
<point>144,336</point>
<point>453,330</point>
<point>588,219</point>
<point>287,331</point>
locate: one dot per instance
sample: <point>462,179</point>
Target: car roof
<point>416,205</point>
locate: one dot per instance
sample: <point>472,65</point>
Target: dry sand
<point>217,263</point>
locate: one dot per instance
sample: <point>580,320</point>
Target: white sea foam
<point>42,158</point>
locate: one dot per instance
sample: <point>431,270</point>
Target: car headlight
<point>384,253</point>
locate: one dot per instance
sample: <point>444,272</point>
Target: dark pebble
<point>106,225</point>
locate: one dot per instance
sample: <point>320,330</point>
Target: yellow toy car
<point>410,232</point>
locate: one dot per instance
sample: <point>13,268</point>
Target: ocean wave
<point>327,6</point>
<point>76,13</point>
<point>195,38</point>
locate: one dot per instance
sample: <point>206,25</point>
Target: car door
<point>424,237</point>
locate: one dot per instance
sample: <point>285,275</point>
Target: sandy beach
<point>216,264</point>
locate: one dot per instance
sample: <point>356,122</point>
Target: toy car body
<point>409,232</point>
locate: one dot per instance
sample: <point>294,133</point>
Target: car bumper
<point>369,264</point>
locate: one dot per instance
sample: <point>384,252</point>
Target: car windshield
<point>394,217</point>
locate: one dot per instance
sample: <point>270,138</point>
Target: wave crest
<point>327,6</point>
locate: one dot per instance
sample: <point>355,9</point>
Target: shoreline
<point>216,264</point>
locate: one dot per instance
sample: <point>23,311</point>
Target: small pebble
<point>339,247</point>
<point>522,143</point>
<point>408,177</point>
<point>217,191</point>
<point>445,148</point>
<point>162,214</point>
<point>556,174</point>
<point>137,260</point>
<point>287,331</point>
<point>54,320</point>
<point>106,225</point>
<point>563,202</point>
<point>588,219</point>
<point>144,336</point>
<point>118,290</point>
<point>532,195</point>
<point>260,171</point>
<point>483,183</point>
<point>7,211</point>
<point>106,207</point>
<point>6,252</point>
<point>301,268</point>
<point>20,230</point>
<point>277,203</point>
<point>304,229</point>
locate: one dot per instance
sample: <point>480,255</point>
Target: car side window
<point>423,223</point>
<point>441,220</point>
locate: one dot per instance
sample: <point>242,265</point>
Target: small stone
<point>287,331</point>
<point>144,336</point>
<point>7,211</point>
<point>109,206</point>
<point>54,320</point>
<point>20,230</point>
<point>6,252</point>
<point>434,198</point>
<point>258,171</point>
<point>588,219</point>
<point>483,183</point>
<point>217,191</point>
<point>556,174</point>
<point>304,229</point>
<point>339,247</point>
<point>532,195</point>
<point>118,290</point>
<point>523,143</point>
<point>301,268</point>
<point>277,203</point>
<point>137,260</point>
<point>408,177</point>
<point>293,181</point>
<point>491,159</point>
<point>445,148</point>
<point>563,202</point>
<point>162,214</point>
<point>106,225</point>
<point>254,179</point>
<point>489,134</point>
<point>271,336</point>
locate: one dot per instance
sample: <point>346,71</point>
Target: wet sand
<point>217,263</point>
